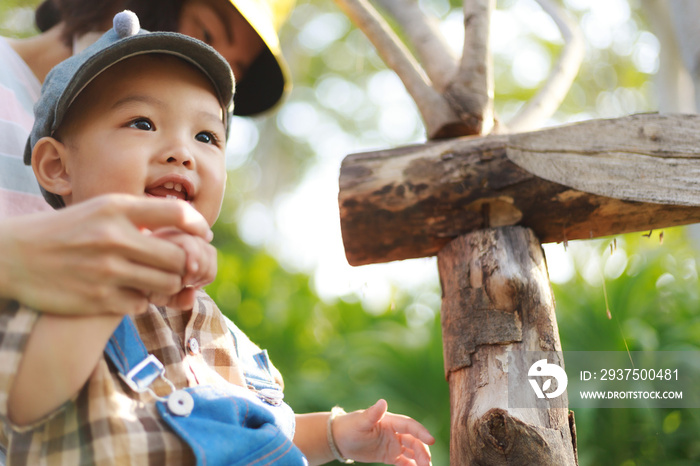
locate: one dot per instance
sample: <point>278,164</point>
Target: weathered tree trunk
<point>497,298</point>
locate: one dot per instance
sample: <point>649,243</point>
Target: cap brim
<point>206,59</point>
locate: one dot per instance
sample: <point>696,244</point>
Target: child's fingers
<point>204,255</point>
<point>376,412</point>
<point>159,299</point>
<point>208,272</point>
<point>407,425</point>
<point>184,300</point>
<point>406,460</point>
<point>194,250</point>
<point>201,258</point>
<point>403,461</point>
<point>415,449</point>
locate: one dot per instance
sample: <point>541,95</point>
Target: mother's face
<point>220,25</point>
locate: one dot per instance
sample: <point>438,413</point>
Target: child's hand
<point>200,268</point>
<point>375,435</point>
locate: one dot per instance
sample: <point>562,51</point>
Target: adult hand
<point>374,435</point>
<point>94,257</point>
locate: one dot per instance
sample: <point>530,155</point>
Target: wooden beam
<point>409,202</point>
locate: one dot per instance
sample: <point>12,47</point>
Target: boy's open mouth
<point>169,190</point>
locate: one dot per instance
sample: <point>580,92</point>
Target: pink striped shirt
<point>19,90</point>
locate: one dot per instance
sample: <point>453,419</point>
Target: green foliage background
<point>654,306</point>
<point>337,351</point>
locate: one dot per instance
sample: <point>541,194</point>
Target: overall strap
<point>222,427</point>
<point>126,351</point>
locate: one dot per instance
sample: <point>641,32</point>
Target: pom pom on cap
<point>126,24</point>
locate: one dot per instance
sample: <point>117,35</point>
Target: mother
<point>96,255</point>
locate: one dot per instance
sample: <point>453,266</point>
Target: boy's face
<point>150,126</point>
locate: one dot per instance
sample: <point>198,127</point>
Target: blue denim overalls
<point>222,426</point>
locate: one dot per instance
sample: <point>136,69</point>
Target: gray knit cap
<point>125,40</point>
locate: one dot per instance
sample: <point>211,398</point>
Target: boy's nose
<point>179,156</point>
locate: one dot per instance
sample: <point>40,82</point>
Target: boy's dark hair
<point>82,16</point>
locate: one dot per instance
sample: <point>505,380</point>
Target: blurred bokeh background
<point>348,336</point>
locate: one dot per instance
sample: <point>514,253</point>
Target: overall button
<point>193,345</point>
<point>180,403</point>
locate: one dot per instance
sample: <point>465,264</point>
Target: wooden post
<point>497,298</point>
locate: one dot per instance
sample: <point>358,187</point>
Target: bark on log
<point>409,202</point>
<point>497,298</point>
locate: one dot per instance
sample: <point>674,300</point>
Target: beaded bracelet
<point>335,412</point>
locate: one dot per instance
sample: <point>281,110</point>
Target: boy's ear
<point>49,165</point>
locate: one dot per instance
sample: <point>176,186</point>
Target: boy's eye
<point>142,124</point>
<point>206,137</point>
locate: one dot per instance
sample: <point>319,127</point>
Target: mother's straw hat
<point>267,80</point>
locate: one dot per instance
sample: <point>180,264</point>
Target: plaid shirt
<point>108,423</point>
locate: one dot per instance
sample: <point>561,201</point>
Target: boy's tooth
<point>170,196</point>
<point>169,185</point>
<point>178,187</point>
